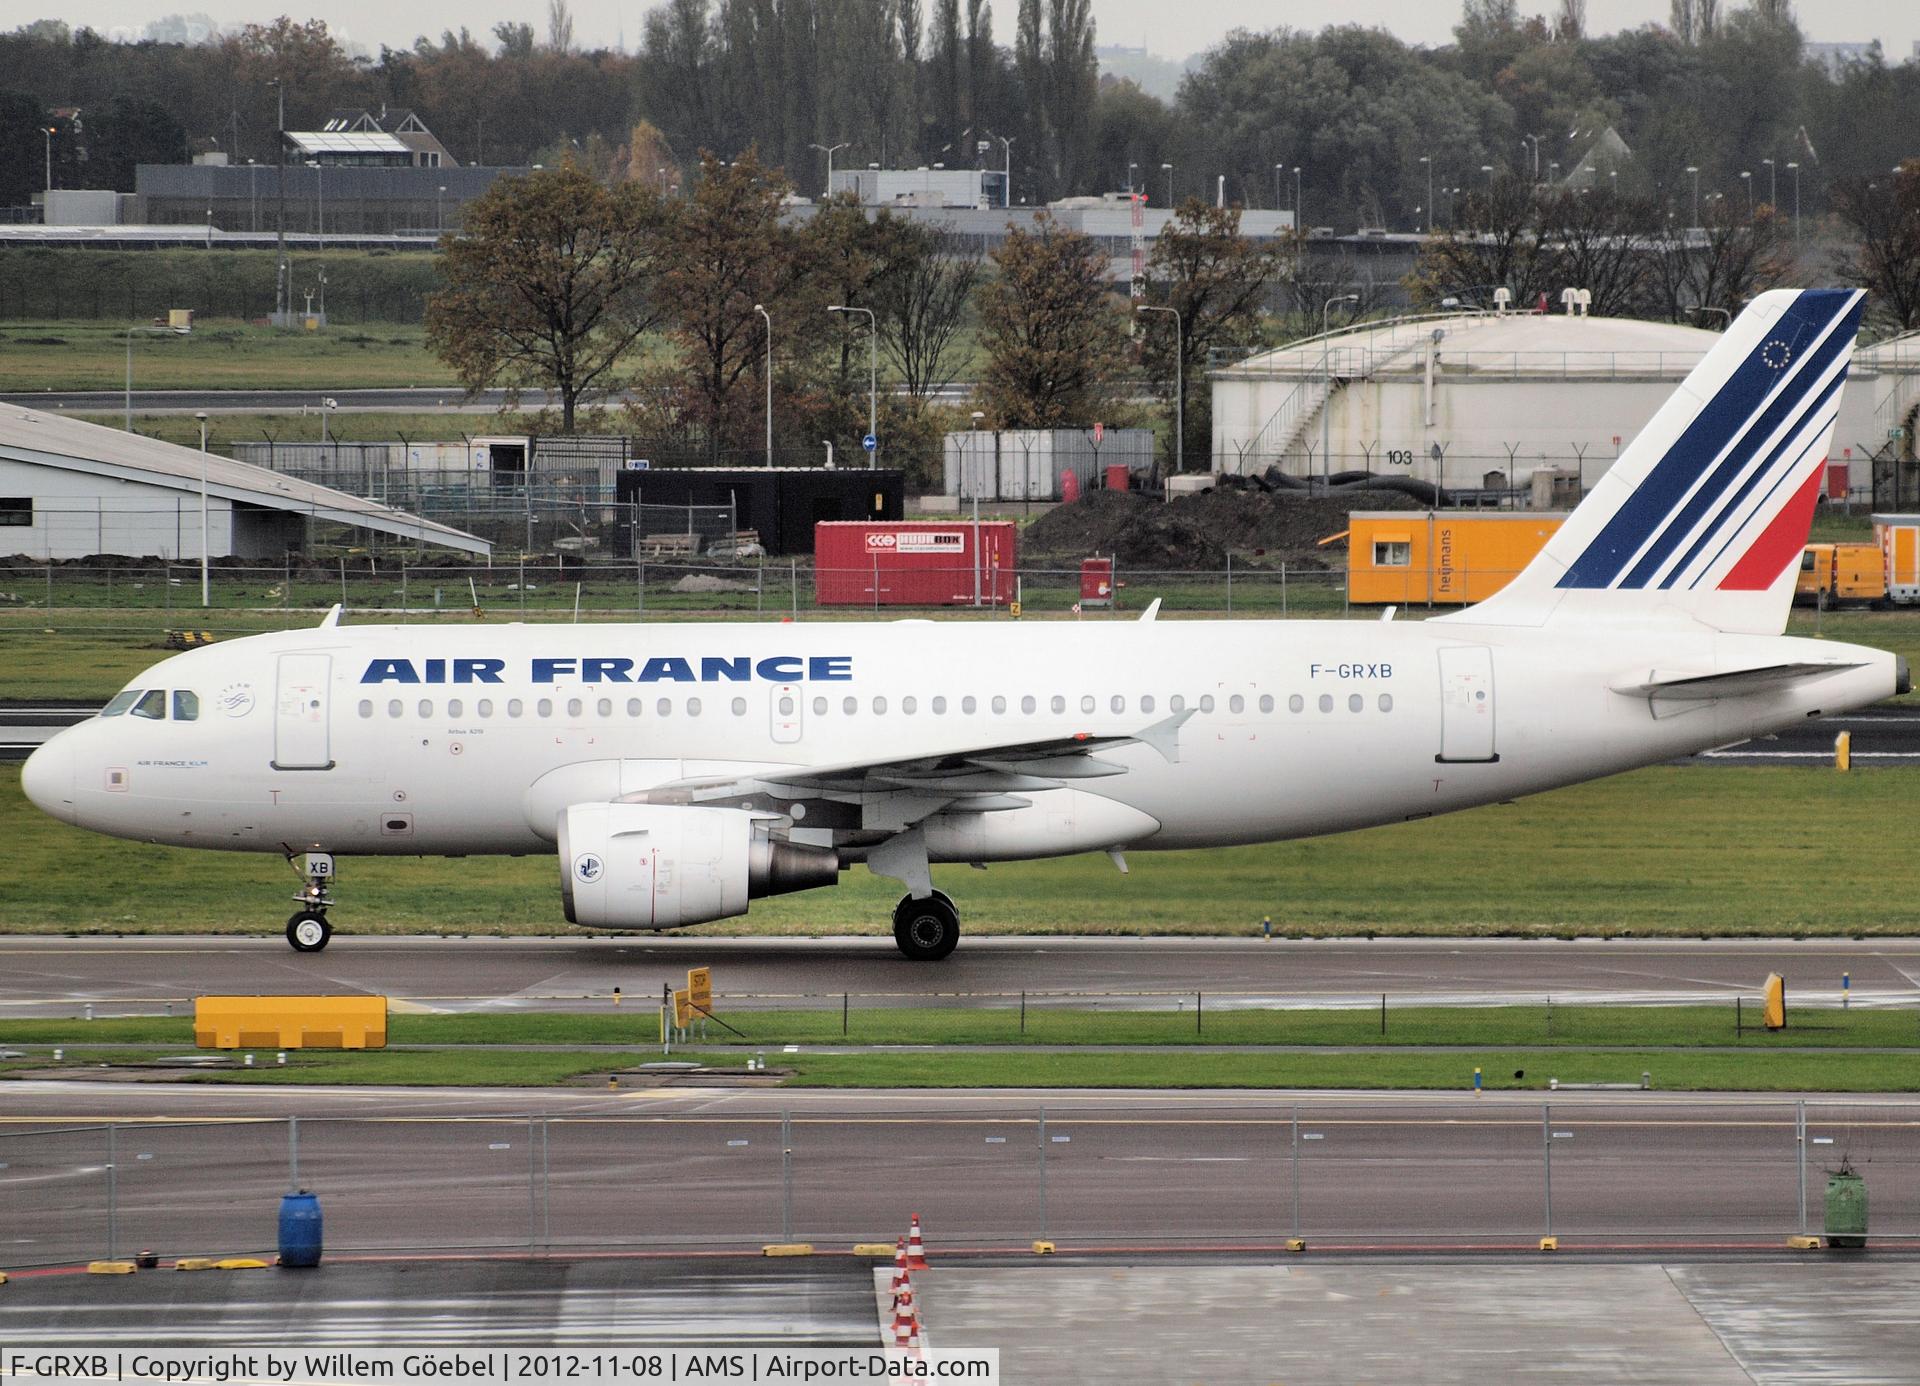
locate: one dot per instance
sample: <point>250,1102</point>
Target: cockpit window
<point>152,704</point>
<point>120,703</point>
<point>186,705</point>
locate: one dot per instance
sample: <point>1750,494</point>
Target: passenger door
<point>301,739</point>
<point>1466,704</point>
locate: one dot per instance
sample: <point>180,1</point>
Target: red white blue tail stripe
<point>1726,504</point>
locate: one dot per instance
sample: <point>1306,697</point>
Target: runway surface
<point>49,975</point>
<point>1698,1322</point>
<point>93,1169</point>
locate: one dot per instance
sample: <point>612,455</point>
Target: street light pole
<point>439,210</point>
<point>873,372</point>
<point>1130,168</point>
<point>1326,403</point>
<point>761,310</point>
<point>1006,176</point>
<point>1796,198</point>
<point>1168,170</point>
<point>1427,159</point>
<point>204,580</point>
<point>828,149</point>
<point>282,303</point>
<point>1279,172</point>
<point>1693,171</point>
<point>48,131</point>
<point>1746,177</point>
<point>1299,224</point>
<point>1773,184</point>
<point>1179,385</point>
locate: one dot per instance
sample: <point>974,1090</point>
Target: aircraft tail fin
<point>1701,519</point>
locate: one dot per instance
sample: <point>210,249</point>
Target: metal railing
<point>1207,1172</point>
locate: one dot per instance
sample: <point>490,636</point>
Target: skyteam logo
<point>1726,505</point>
<point>588,868</point>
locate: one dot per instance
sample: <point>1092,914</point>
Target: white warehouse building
<point>71,490</point>
<point>1482,401</point>
<point>1467,400</point>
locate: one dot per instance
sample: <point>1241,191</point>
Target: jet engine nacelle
<point>659,866</point>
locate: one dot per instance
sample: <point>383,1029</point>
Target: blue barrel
<point>300,1229</point>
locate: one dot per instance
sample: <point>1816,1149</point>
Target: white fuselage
<point>322,739</point>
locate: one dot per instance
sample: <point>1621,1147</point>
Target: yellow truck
<point>1898,538</point>
<point>1838,574</point>
<point>1440,557</point>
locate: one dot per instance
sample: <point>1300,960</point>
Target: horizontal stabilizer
<point>1692,687</point>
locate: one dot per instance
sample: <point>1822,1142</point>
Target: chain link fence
<point>684,567</point>
<point>1396,1172</point>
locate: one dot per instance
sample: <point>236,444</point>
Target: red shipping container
<point>913,562</point>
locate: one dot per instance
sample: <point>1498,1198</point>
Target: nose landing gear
<point>308,930</point>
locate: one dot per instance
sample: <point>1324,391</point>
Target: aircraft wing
<point>985,774</point>
<point>1694,687</point>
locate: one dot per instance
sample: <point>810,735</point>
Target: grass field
<point>1644,1028</point>
<point>1515,1048</point>
<point>1668,851</point>
<point>216,355</point>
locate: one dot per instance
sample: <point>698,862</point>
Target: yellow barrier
<point>1775,996</point>
<point>788,1249</point>
<point>290,1022</point>
<point>110,1268</point>
<point>873,1248</point>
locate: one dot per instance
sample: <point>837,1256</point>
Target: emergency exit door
<point>1466,704</point>
<point>300,735</point>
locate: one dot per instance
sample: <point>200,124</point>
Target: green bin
<point>1846,1209</point>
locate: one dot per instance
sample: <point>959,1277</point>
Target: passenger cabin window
<point>633,707</point>
<point>740,706</point>
<point>117,706</point>
<point>455,707</point>
<point>1392,553</point>
<point>1027,703</point>
<point>366,707</point>
<point>152,704</point>
<point>395,707</point>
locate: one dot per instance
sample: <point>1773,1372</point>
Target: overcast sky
<point>1171,30</point>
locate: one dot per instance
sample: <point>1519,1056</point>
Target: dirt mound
<point>1197,532</point>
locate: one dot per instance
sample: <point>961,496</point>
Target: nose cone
<point>47,777</point>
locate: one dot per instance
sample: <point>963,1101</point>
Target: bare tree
<point>1715,269</point>
<point>1884,216</point>
<point>921,310</point>
<point>1602,242</point>
<point>1494,243</point>
<point>559,26</point>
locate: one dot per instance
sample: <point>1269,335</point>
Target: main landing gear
<point>926,930</point>
<point>308,930</point>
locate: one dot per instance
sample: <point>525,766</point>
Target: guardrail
<point>1116,1172</point>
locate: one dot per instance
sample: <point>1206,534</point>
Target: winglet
<point>1164,736</point>
<point>332,618</point>
<point>1152,611</point>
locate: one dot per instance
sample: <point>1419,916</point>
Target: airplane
<point>677,772</point>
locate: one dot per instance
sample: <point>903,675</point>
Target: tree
<point>131,132</point>
<point>1494,243</point>
<point>548,286</point>
<point>1884,216</point>
<point>1054,337</point>
<point>1721,265</point>
<point>921,310</point>
<point>1601,241</point>
<point>733,251</point>
<point>22,122</point>
<point>1216,280</point>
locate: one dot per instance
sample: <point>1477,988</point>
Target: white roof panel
<point>50,440</point>
<point>346,142</point>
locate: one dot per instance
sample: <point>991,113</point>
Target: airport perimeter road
<point>717,1169</point>
<point>417,399</point>
<point>48,975</point>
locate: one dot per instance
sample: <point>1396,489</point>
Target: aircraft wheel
<point>308,931</point>
<point>926,930</point>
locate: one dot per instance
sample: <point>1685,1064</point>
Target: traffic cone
<point>906,1330</point>
<point>916,1249</point>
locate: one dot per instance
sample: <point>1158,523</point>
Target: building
<point>922,187</point>
<point>401,125</point>
<point>1879,419</point>
<point>71,490</point>
<point>1471,401</point>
